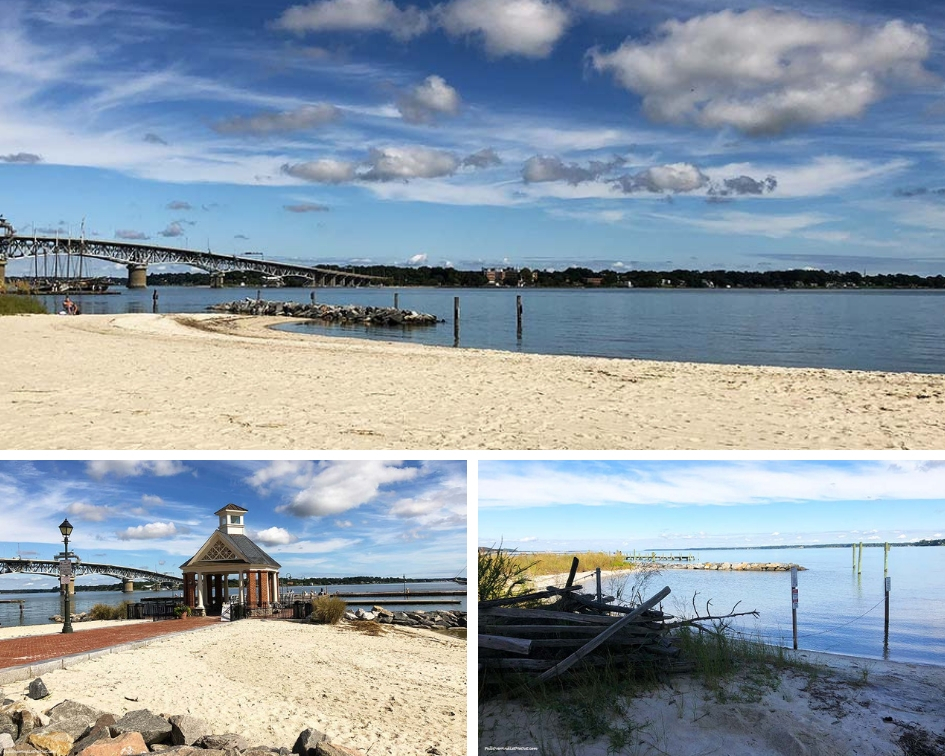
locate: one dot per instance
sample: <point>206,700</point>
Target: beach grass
<point>16,304</point>
<point>328,609</point>
<point>552,563</point>
<point>502,574</point>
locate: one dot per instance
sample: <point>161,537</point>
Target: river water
<point>39,607</point>
<point>902,331</point>
<point>838,610</point>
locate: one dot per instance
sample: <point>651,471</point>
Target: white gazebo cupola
<point>231,519</point>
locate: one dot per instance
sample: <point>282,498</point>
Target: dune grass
<point>550,563</point>
<point>328,609</point>
<point>18,304</point>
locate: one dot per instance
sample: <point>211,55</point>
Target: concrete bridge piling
<point>137,276</point>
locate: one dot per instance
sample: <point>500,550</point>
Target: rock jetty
<point>734,566</point>
<point>74,729</point>
<point>428,620</point>
<point>379,316</point>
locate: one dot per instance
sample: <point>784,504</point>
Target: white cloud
<point>354,16</point>
<point>403,163</point>
<point>330,488</point>
<point>324,171</point>
<point>300,119</point>
<point>151,531</point>
<point>529,28</point>
<point>125,468</point>
<point>316,547</point>
<point>419,259</point>
<point>763,71</point>
<point>152,500</point>
<point>92,512</point>
<point>274,537</point>
<point>756,224</point>
<point>428,100</point>
<point>674,177</point>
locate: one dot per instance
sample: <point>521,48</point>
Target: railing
<point>276,610</point>
<point>154,609</point>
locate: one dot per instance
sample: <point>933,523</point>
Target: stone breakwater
<point>379,316</point>
<point>74,729</point>
<point>734,566</point>
<point>428,620</point>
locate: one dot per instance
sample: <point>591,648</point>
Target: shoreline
<point>233,382</point>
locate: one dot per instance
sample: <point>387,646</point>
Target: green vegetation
<point>17,304</point>
<point>328,609</point>
<point>552,563</point>
<point>502,575</point>
<point>109,612</point>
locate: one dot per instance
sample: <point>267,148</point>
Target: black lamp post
<point>66,530</point>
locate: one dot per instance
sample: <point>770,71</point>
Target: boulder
<point>187,730</point>
<point>308,741</point>
<point>38,689</point>
<point>227,742</point>
<point>153,729</point>
<point>6,742</point>
<point>8,726</point>
<point>54,743</point>
<point>126,744</point>
<point>329,749</point>
<point>73,710</point>
<point>184,750</point>
<point>75,727</point>
<point>28,719</point>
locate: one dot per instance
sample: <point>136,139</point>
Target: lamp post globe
<point>66,529</point>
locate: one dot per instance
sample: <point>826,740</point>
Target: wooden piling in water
<point>887,584</point>
<point>794,604</point>
<point>600,594</point>
<point>455,321</point>
<point>859,562</point>
<point>854,556</point>
<point>518,316</point>
<point>396,300</point>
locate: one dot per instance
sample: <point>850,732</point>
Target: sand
<point>229,382</point>
<point>400,694</point>
<point>851,706</point>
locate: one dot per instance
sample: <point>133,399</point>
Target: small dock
<point>403,602</point>
<point>13,601</point>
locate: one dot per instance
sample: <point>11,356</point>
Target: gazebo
<point>229,551</point>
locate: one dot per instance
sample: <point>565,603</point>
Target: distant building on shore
<point>230,552</point>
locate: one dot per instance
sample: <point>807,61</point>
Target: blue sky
<point>682,505</point>
<point>541,133</point>
<point>335,518</point>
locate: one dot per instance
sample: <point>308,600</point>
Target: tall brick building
<point>229,552</point>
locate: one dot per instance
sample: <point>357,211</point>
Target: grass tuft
<point>328,609</point>
<point>15,304</point>
<point>109,612</point>
<point>502,575</point>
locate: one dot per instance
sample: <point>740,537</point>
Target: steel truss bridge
<point>48,567</point>
<point>137,257</point>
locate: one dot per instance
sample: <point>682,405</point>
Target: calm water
<point>860,330</point>
<point>39,607</point>
<point>838,611</point>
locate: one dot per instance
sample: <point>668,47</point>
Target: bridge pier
<point>71,587</point>
<point>3,273</point>
<point>137,276</point>
<point>127,586</point>
<point>216,280</point>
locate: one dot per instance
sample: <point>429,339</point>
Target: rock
<point>307,742</point>
<point>74,727</point>
<point>74,710</point>
<point>350,616</point>
<point>227,742</point>
<point>194,751</point>
<point>153,729</point>
<point>29,720</point>
<point>38,689</point>
<point>55,743</point>
<point>187,730</point>
<point>368,616</point>
<point>126,744</point>
<point>160,748</point>
<point>6,742</point>
<point>328,749</point>
<point>96,734</point>
<point>260,751</point>
<point>8,726</point>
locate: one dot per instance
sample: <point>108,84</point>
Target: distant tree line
<point>577,277</point>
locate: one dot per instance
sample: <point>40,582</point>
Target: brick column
<point>264,582</point>
<point>251,597</point>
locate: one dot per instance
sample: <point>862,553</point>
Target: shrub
<point>328,609</point>
<point>501,575</point>
<point>107,612</point>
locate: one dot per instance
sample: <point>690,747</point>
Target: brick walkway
<point>18,651</point>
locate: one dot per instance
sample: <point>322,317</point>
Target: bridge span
<point>136,258</point>
<point>49,567</point>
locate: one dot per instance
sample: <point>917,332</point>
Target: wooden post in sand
<point>794,603</point>
<point>518,316</point>
<point>887,581</point>
<point>600,593</point>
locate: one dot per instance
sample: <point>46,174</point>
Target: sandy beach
<point>850,706</point>
<point>229,382</point>
<point>401,693</point>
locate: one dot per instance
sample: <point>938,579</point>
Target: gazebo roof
<point>243,548</point>
<point>230,508</point>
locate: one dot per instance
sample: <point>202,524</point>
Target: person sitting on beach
<point>69,306</point>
